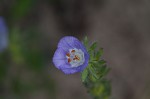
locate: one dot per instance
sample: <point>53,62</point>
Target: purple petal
<point>3,28</point>
<point>59,59</point>
<point>69,71</point>
<point>72,70</point>
<point>75,69</point>
<point>3,35</point>
<point>69,42</point>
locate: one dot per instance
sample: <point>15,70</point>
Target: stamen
<point>76,57</point>
<point>68,54</point>
<point>69,60</point>
<point>72,51</point>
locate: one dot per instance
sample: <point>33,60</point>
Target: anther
<point>72,51</point>
<point>69,60</point>
<point>68,54</point>
<point>76,57</point>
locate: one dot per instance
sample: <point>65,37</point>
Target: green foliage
<point>93,77</point>
<point>21,8</point>
<point>85,42</point>
<point>22,66</point>
<point>15,46</point>
<point>3,65</point>
<point>84,75</point>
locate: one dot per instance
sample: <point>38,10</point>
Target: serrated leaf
<point>93,72</point>
<point>104,70</point>
<point>93,46</point>
<point>85,42</point>
<point>97,70</point>
<point>91,53</point>
<point>101,62</point>
<point>84,75</point>
<point>99,54</point>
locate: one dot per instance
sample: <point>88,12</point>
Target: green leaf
<point>99,54</point>
<point>93,72</point>
<point>101,62</point>
<point>85,42</point>
<point>91,55</point>
<point>93,46</point>
<point>104,70</point>
<point>84,75</point>
<point>94,75</point>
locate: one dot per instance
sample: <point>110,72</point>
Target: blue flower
<point>3,35</point>
<point>71,56</point>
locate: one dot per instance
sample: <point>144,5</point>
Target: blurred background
<point>31,29</point>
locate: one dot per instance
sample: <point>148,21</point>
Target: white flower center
<point>75,57</point>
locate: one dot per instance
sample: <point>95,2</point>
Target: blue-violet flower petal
<point>3,35</point>
<point>71,56</point>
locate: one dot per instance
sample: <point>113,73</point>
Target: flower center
<point>75,57</point>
